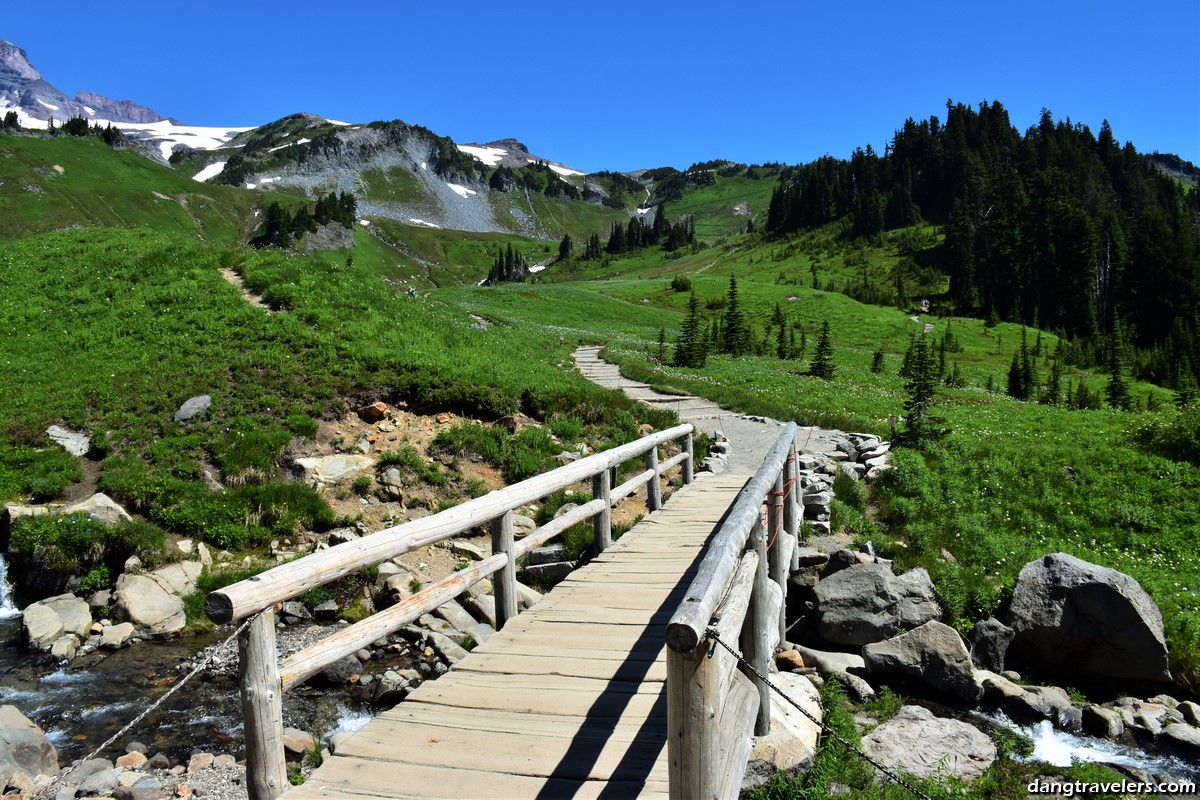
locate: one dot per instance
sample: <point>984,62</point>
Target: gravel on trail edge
<point>751,437</point>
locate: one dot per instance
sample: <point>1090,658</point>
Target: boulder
<point>47,621</point>
<point>99,507</point>
<point>144,602</point>
<point>552,572</point>
<point>933,654</point>
<point>192,407</point>
<point>114,637</point>
<point>341,671</point>
<point>791,744</point>
<point>917,742</point>
<point>523,526</point>
<point>373,412</point>
<point>989,642</point>
<point>827,663</point>
<point>1182,737</point>
<point>297,742</point>
<point>75,443</point>
<point>26,743</point>
<point>1027,705</point>
<point>178,578</point>
<point>331,469</point>
<point>1102,722</point>
<point>866,603</point>
<point>1086,621</point>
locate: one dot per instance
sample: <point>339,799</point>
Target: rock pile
<point>858,456</point>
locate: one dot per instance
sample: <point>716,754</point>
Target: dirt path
<point>750,437</point>
<point>251,298</point>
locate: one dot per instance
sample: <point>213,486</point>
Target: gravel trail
<point>750,437</point>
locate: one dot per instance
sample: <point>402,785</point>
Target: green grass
<point>80,181</point>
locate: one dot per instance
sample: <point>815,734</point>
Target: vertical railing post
<point>602,522</point>
<point>791,506</point>
<point>653,488</point>
<point>262,708</point>
<point>504,582</point>
<point>777,539</point>
<point>689,471</point>
<point>754,632</point>
<point>694,744</point>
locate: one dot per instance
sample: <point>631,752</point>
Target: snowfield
<point>488,155</point>
<point>461,191</point>
<point>211,171</point>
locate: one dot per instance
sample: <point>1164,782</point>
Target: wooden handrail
<point>687,626</point>
<point>713,708</point>
<point>264,679</point>
<point>286,581</point>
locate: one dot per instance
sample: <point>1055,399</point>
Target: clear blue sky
<point>624,85</point>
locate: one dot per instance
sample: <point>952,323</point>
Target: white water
<point>7,609</point>
<point>1060,749</point>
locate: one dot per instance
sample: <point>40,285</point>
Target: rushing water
<point>80,706</point>
<point>1060,749</point>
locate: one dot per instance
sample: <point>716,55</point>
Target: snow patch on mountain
<point>488,155</point>
<point>460,190</point>
<point>210,171</point>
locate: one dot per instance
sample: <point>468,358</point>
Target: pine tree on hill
<point>1118,392</point>
<point>691,350</point>
<point>822,365</point>
<point>737,335</point>
<point>919,390</point>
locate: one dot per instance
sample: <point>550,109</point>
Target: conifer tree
<point>822,362</point>
<point>737,335</point>
<point>1118,392</point>
<point>919,391</point>
<point>565,247</point>
<point>690,350</point>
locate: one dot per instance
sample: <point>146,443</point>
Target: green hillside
<point>68,181</point>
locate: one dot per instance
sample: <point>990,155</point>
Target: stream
<point>80,706</point>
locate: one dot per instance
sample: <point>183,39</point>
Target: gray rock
<point>829,663</point>
<point>933,654</point>
<point>473,551</point>
<point>917,742</point>
<point>296,610</point>
<point>114,637</point>
<point>526,597</point>
<point>98,784</point>
<point>848,469</point>
<point>178,578</point>
<point>548,554</point>
<point>26,743</point>
<point>144,602</point>
<point>146,788</point>
<point>866,603</point>
<point>791,744</point>
<point>192,407</point>
<point>483,607</point>
<point>522,526</point>
<point>327,611</point>
<point>811,557</point>
<point>1190,712</point>
<point>1183,737</point>
<point>552,572</point>
<point>75,443</point>
<point>341,671</point>
<point>99,507</point>
<point>47,621</point>
<point>456,615</point>
<point>1102,722</point>
<point>65,647</point>
<point>1087,621</point>
<point>331,469</point>
<point>989,642</point>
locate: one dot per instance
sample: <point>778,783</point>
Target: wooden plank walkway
<point>567,701</point>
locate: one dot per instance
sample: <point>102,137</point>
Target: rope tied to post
<point>889,774</point>
<point>49,789</point>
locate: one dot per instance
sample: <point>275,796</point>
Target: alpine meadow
<point>1016,312</point>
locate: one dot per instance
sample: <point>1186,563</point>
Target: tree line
<point>280,228</point>
<point>1057,228</point>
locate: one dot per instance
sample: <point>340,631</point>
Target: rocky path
<point>751,437</point>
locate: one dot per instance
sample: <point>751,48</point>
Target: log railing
<point>264,678</point>
<point>713,710</point>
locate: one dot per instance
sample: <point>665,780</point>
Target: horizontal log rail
<point>264,678</point>
<point>740,589</point>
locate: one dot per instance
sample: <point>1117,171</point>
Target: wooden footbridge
<point>606,688</point>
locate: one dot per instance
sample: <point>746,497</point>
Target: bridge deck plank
<point>567,701</point>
